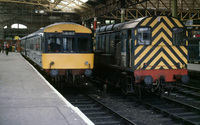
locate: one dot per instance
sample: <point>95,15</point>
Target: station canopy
<point>80,6</point>
<point>69,5</point>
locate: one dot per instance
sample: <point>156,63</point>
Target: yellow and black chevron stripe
<point>161,54</point>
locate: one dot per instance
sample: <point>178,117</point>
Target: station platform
<point>193,67</point>
<point>26,98</point>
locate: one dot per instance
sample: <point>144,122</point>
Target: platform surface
<point>193,67</point>
<point>26,98</point>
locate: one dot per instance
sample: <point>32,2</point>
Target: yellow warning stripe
<point>162,25</point>
<point>146,21</point>
<point>184,49</point>
<point>159,37</point>
<point>177,22</point>
<point>172,55</point>
<point>179,54</point>
<point>143,54</point>
<point>187,36</point>
<point>138,49</point>
<point>168,22</point>
<point>148,58</point>
<point>158,57</point>
<point>161,64</point>
<point>154,22</point>
<point>135,39</point>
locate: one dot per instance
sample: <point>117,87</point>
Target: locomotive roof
<point>133,23</point>
<point>119,26</point>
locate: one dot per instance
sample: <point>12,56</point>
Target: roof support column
<point>122,14</point>
<point>1,31</point>
<point>174,8</point>
<point>95,23</point>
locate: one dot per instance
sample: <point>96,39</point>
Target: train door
<point>124,48</point>
<point>126,51</point>
<point>129,49</point>
<point>117,48</point>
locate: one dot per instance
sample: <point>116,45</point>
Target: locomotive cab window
<point>179,37</point>
<point>84,45</point>
<point>143,36</point>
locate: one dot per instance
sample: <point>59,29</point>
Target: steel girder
<point>187,10</point>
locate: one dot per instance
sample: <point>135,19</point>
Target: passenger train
<point>61,49</point>
<point>148,53</point>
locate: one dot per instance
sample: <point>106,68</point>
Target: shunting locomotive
<point>148,53</point>
<point>62,50</point>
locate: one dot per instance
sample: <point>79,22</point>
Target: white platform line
<point>77,110</point>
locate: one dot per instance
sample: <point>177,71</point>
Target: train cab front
<point>68,54</point>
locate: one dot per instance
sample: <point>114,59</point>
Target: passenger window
<point>84,44</point>
<point>143,36</point>
<point>38,44</point>
<point>179,37</point>
<point>54,44</point>
<point>68,44</point>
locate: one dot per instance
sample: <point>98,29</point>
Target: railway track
<point>181,112</point>
<point>181,106</point>
<point>96,111</point>
<point>188,94</point>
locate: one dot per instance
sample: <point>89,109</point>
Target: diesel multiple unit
<point>61,49</point>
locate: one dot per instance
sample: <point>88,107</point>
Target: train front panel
<point>160,52</point>
<point>68,50</point>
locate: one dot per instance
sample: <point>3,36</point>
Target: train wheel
<point>139,91</point>
<point>123,82</point>
<point>161,88</point>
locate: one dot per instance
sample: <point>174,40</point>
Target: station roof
<point>59,5</point>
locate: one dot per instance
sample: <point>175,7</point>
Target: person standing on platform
<point>7,48</point>
<point>2,47</point>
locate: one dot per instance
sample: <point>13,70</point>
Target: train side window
<point>179,37</point>
<point>143,36</point>
<point>38,44</point>
<point>68,44</point>
<point>31,44</point>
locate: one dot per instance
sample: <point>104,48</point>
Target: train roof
<point>119,26</point>
<point>60,27</point>
<point>132,23</point>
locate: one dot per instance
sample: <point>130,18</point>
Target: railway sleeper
<point>82,102</point>
<point>108,123</point>
<point>86,105</point>
<point>89,114</point>
<point>185,114</point>
<point>89,109</point>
